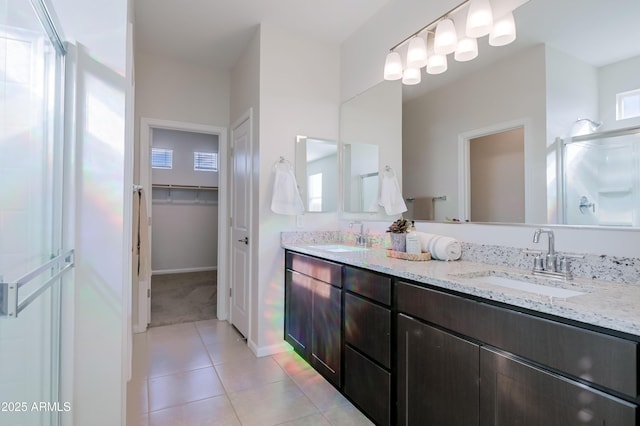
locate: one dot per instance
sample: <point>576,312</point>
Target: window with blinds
<point>205,161</point>
<point>161,158</point>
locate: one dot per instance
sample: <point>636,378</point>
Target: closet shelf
<point>189,187</point>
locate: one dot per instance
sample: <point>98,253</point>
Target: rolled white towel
<point>440,247</point>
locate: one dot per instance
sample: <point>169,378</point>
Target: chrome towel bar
<point>10,303</point>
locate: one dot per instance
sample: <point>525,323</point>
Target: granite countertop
<point>609,305</point>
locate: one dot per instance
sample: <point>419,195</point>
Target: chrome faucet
<point>361,238</point>
<point>552,264</point>
<point>551,259</point>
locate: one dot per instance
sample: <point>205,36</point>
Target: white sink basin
<point>521,282</point>
<point>338,248</point>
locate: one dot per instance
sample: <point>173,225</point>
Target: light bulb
<point>437,64</point>
<point>479,18</point>
<point>446,38</point>
<point>411,76</point>
<point>393,66</point>
<point>466,50</point>
<point>417,53</point>
<point>504,31</point>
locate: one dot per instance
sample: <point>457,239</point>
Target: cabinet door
<point>297,318</point>
<point>367,326</point>
<point>514,393</point>
<point>437,376</point>
<point>326,338</point>
<point>368,385</point>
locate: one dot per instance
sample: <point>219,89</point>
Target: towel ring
<point>283,161</point>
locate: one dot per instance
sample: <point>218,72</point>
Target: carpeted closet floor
<point>186,297</point>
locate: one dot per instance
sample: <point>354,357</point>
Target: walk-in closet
<point>184,236</point>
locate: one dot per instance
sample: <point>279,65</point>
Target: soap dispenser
<point>413,241</point>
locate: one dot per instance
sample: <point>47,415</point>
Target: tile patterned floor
<point>202,373</point>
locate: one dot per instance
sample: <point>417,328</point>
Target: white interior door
<point>30,219</point>
<point>240,277</point>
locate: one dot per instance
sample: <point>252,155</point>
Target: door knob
<point>244,240</point>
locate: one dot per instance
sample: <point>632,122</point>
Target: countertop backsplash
<point>624,270</point>
<point>597,267</point>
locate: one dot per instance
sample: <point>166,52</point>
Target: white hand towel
<point>286,198</point>
<point>440,247</point>
<point>390,195</point>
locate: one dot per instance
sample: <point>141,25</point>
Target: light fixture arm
<point>430,24</point>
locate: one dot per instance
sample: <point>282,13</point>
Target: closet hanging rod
<point>192,187</point>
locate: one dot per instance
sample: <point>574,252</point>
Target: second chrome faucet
<point>551,263</point>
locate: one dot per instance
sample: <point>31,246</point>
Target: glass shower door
<point>602,179</point>
<point>30,216</point>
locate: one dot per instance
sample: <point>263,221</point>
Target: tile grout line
<point>226,392</point>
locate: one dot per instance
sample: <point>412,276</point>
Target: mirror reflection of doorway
<point>496,175</point>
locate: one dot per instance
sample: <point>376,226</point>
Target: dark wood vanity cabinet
<point>313,312</point>
<point>464,362</point>
<point>368,346</point>
<point>407,353</point>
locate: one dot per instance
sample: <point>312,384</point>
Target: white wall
<point>433,123</point>
<point>298,93</point>
<point>612,79</point>
<point>179,91</point>
<point>96,305</point>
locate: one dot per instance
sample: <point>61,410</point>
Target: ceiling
<point>216,32</point>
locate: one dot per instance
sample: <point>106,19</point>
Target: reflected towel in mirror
<point>390,195</point>
<point>423,208</point>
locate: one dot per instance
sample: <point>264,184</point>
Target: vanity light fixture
<point>436,62</point>
<point>446,39</point>
<point>411,76</point>
<point>477,20</point>
<point>417,53</point>
<point>466,50</point>
<point>393,66</point>
<point>504,31</point>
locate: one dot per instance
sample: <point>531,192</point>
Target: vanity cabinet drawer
<point>605,360</point>
<point>367,326</point>
<point>319,269</point>
<point>368,284</point>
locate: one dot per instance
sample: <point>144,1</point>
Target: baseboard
<point>184,270</point>
<point>269,350</point>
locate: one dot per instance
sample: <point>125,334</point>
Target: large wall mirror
<point>371,141</point>
<point>570,60</point>
<point>317,173</point>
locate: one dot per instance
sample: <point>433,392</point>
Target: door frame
<point>141,320</point>
<point>246,116</point>
<point>464,164</point>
